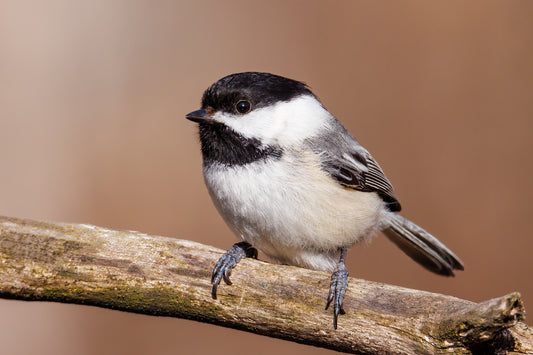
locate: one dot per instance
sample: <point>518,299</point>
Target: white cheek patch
<point>284,123</point>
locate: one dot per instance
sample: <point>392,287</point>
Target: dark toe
<point>227,262</point>
<point>337,289</point>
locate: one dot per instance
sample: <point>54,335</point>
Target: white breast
<point>291,210</point>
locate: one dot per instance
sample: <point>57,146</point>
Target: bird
<point>292,182</point>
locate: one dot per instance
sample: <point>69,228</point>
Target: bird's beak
<point>198,115</point>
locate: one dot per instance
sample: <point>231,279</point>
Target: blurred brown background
<point>92,102</point>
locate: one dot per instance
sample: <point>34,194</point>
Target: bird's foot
<point>228,261</point>
<point>337,289</point>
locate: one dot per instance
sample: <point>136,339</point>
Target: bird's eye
<point>243,106</point>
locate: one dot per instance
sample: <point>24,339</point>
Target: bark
<point>135,272</point>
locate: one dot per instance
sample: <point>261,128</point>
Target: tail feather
<point>421,246</point>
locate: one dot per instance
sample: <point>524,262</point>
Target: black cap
<point>259,89</point>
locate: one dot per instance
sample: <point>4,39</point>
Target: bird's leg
<point>228,261</point>
<point>337,288</point>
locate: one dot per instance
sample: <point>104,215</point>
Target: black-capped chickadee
<point>291,181</point>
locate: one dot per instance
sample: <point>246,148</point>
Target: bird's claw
<point>337,289</point>
<point>227,262</point>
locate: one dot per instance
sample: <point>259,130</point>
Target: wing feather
<point>352,166</point>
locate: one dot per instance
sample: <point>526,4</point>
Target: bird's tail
<point>421,246</point>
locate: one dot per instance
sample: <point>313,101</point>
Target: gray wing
<point>351,165</point>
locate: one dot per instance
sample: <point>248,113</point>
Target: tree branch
<point>134,272</point>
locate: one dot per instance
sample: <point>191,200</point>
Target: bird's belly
<point>297,216</point>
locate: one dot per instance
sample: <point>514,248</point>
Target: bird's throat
<point>223,145</point>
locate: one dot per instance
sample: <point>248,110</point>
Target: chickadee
<point>291,181</point>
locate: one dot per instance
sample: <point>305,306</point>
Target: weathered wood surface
<point>161,276</point>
